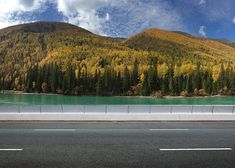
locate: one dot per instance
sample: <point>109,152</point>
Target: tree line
<point>158,79</point>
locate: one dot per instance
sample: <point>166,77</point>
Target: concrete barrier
<point>117,109</point>
<point>51,109</point>
<point>9,108</point>
<point>139,109</point>
<point>160,109</point>
<point>118,112</point>
<point>202,109</point>
<point>73,109</point>
<point>182,109</point>
<point>95,109</point>
<point>30,109</point>
<point>223,109</point>
<point>207,117</point>
<point>114,117</point>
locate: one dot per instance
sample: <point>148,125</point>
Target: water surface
<point>47,99</point>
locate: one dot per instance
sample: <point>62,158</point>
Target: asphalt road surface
<point>118,145</point>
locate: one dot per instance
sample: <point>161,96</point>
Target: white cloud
<point>107,17</point>
<point>216,10</point>
<point>11,10</point>
<point>133,16</point>
<point>202,2</point>
<point>84,13</point>
<point>128,16</point>
<point>202,31</point>
<point>234,20</point>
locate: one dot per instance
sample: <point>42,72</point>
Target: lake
<point>49,99</point>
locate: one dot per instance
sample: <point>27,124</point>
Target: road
<point>124,145</point>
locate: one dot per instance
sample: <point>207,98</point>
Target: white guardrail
<point>118,112</point>
<point>117,109</point>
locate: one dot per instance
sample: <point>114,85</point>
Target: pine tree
<point>135,77</point>
<point>150,79</point>
<point>171,79</point>
<point>221,80</point>
<point>125,84</point>
<point>197,77</point>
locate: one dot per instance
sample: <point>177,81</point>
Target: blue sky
<point>123,18</point>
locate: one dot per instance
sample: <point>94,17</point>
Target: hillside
<point>63,58</point>
<point>42,27</point>
<point>181,45</point>
<point>226,42</point>
<point>24,45</point>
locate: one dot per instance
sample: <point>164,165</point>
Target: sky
<point>123,18</point>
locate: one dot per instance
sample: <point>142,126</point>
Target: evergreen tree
<point>171,79</point>
<point>221,80</point>
<point>125,85</point>
<point>135,77</point>
<point>197,77</point>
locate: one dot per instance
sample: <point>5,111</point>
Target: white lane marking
<point>11,149</point>
<point>168,129</point>
<point>55,130</point>
<point>198,149</point>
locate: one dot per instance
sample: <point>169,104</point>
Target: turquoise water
<point>60,99</point>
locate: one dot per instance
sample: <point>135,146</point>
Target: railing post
<point>213,109</point>
<point>150,108</point>
<point>128,109</point>
<point>192,109</point>
<point>171,109</point>
<point>106,109</point>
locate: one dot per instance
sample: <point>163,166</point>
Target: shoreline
<point>150,97</point>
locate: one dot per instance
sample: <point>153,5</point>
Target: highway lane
<point>125,145</point>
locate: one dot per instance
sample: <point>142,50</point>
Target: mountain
<point>42,27</point>
<point>182,33</point>
<point>63,58</point>
<point>181,45</point>
<point>226,42</point>
<point>24,45</point>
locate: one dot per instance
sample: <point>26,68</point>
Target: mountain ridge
<point>42,27</point>
<point>155,39</point>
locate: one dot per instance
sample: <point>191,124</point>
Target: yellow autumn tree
<point>162,70</point>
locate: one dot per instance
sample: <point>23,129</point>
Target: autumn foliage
<point>65,59</point>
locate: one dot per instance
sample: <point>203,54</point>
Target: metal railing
<point>125,109</point>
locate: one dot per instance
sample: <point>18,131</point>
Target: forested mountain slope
<point>183,45</point>
<point>226,42</point>
<point>63,58</point>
